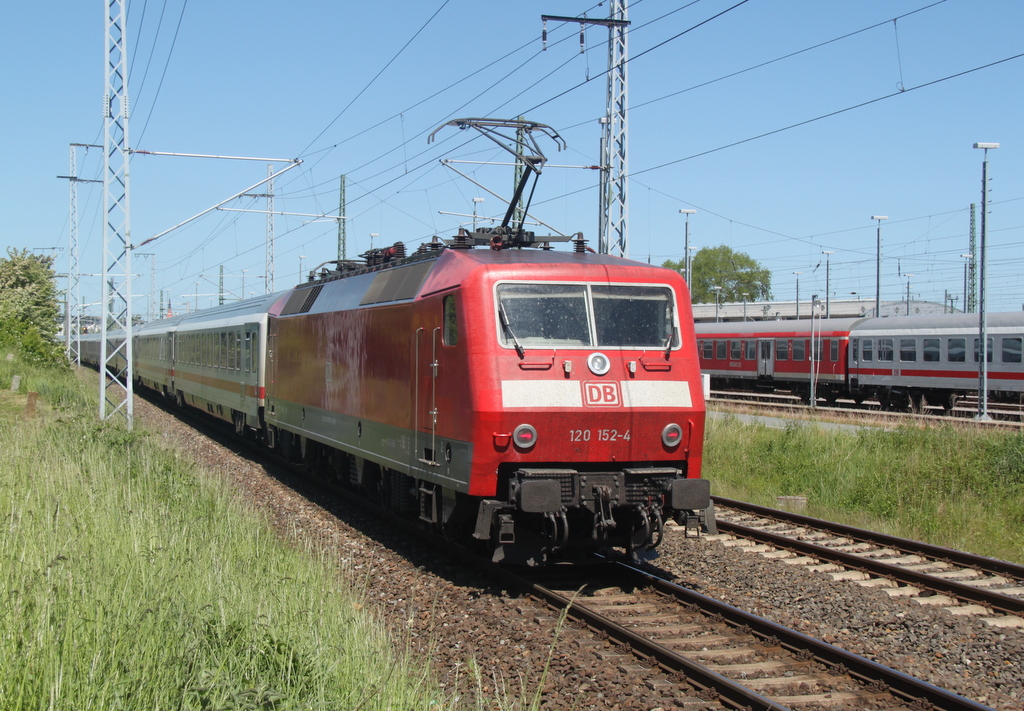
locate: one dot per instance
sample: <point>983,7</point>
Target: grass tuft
<point>132,579</point>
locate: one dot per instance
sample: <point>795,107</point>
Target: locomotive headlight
<point>598,363</point>
<point>672,435</point>
<point>525,436</point>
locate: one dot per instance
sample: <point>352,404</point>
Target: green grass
<point>949,485</point>
<point>130,580</point>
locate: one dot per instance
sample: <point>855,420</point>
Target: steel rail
<point>734,694</point>
<point>900,684</point>
<point>969,560</point>
<point>982,596</point>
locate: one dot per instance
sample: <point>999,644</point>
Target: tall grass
<point>948,485</point>
<point>131,581</point>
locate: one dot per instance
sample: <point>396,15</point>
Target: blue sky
<point>859,116</point>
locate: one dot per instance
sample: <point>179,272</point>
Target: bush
<point>29,344</point>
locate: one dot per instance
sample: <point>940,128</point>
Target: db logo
<point>601,394</point>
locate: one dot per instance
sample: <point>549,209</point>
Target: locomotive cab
<point>592,408</point>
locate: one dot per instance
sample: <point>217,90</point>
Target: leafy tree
<point>29,306</point>
<point>736,272</point>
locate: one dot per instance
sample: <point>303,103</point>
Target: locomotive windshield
<point>586,316</point>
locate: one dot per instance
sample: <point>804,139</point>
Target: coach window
<point>751,350</point>
<point>867,350</point>
<point>735,351</point>
<point>908,350</point>
<point>931,351</point>
<point>232,351</point>
<point>720,350</point>
<point>988,349</point>
<point>956,350</point>
<point>781,349</point>
<point>816,349</point>
<point>451,322</point>
<point>1012,350</point>
<point>885,350</point>
<point>799,349</point>
<point>709,347</point>
<point>833,350</point>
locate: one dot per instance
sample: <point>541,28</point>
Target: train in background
<point>904,362</point>
<point>541,403</point>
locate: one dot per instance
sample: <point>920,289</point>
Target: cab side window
<point>451,322</point>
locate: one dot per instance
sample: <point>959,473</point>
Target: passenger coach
<point>903,361</point>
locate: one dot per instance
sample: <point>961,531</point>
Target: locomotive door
<point>765,358</point>
<point>425,395</point>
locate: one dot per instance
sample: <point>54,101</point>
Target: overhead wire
<point>163,74</point>
<point>375,77</point>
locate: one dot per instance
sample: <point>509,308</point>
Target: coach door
<point>765,358</point>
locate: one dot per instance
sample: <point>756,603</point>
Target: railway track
<point>962,583</point>
<point>702,650</point>
<point>1003,416</point>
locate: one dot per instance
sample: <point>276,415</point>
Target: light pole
<point>798,294</point>
<point>968,258</point>
<point>982,322</point>
<point>908,275</point>
<point>718,293</point>
<point>828,306</point>
<point>878,264</point>
<point>476,201</point>
<point>745,295</point>
<point>686,244</point>
<point>815,352</point>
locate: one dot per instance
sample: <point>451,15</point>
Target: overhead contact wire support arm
<point>533,163</point>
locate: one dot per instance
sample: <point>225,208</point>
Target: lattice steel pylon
<point>116,396</point>
<point>342,248</point>
<point>614,237</point>
<point>971,306</point>
<point>269,282</point>
<point>613,204</point>
<point>73,298</point>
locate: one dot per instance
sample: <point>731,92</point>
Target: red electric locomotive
<point>545,402</point>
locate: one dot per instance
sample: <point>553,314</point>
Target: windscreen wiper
<point>508,329</point>
<point>668,341</point>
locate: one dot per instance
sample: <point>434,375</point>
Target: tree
<point>736,272</point>
<point>29,306</point>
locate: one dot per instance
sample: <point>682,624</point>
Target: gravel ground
<point>489,647</point>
